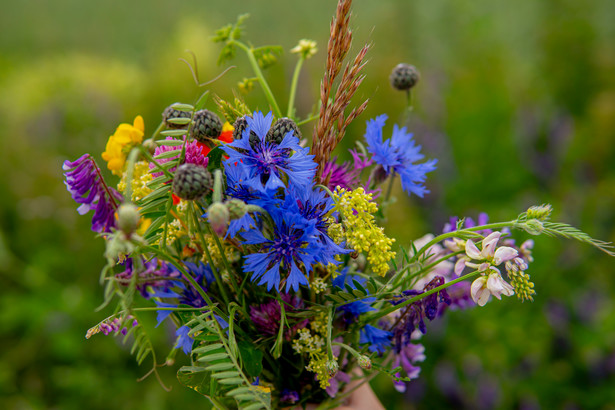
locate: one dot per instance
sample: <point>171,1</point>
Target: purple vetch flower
<point>406,358</point>
<point>156,274</point>
<point>88,188</point>
<point>483,219</point>
<point>111,326</point>
<point>398,154</point>
<point>289,396</point>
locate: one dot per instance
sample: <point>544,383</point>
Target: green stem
<point>457,233</point>
<point>390,187</point>
<point>390,309</point>
<point>424,269</point>
<point>312,118</point>
<point>261,78</point>
<point>197,226</point>
<point>151,159</point>
<point>329,331</point>
<point>225,261</point>
<point>158,130</point>
<point>293,88</point>
<point>132,159</point>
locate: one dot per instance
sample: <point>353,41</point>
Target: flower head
<point>398,154</point>
<point>267,163</point>
<point>377,339</point>
<point>87,187</point>
<point>119,144</point>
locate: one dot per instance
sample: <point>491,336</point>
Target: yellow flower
<point>119,144</point>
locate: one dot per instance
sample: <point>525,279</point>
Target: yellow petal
<point>139,123</point>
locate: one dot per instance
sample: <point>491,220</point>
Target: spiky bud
<point>236,208</point>
<point>404,77</point>
<point>364,362</point>
<point>191,181</point>
<point>171,113</point>
<point>280,128</point>
<point>540,212</point>
<point>218,217</point>
<point>207,125</point>
<point>128,218</point>
<point>240,126</point>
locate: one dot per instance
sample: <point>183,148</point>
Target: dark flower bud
<point>404,77</point>
<point>207,125</point>
<point>191,181</point>
<point>170,114</point>
<point>280,128</point>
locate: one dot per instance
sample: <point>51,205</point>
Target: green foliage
<point>218,372</point>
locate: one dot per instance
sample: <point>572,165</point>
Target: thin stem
<point>225,261</point>
<point>151,159</point>
<point>390,309</point>
<point>293,88</point>
<point>261,78</point>
<point>457,233</point>
<point>214,270</point>
<point>158,130</point>
<point>390,187</point>
<point>424,269</point>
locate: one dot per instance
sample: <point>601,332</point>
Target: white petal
<point>503,254</point>
<point>499,286</point>
<point>489,244</point>
<point>479,291</point>
<point>459,265</point>
<point>472,251</point>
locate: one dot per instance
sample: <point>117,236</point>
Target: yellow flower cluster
<point>319,285</point>
<point>231,253</point>
<point>360,230</point>
<point>523,286</point>
<point>126,136</point>
<point>140,179</point>
<point>313,345</point>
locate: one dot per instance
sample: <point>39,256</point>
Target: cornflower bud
<point>332,367</point>
<point>404,77</point>
<point>236,208</point>
<point>128,218</point>
<point>218,216</point>
<point>365,362</point>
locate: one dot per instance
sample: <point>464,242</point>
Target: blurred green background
<point>516,100</point>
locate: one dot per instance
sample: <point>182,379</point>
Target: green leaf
<point>209,348</point>
<point>200,103</point>
<point>239,390</point>
<point>179,120</point>
<point>371,286</point>
<point>225,375</point>
<point>335,298</point>
<point>234,380</point>
<point>173,133</point>
<point>215,159</point>
<point>252,358</point>
<point>212,357</point>
<point>220,366</point>
<point>168,154</point>
<point>182,107</point>
<point>346,295</point>
<point>254,406</point>
<point>171,143</point>
<point>195,378</point>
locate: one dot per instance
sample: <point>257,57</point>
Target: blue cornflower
<point>183,340</point>
<point>350,311</point>
<point>266,163</point>
<point>293,244</point>
<point>398,154</point>
<point>87,187</point>
<point>377,339</point>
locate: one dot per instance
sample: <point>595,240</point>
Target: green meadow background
<point>516,100</point>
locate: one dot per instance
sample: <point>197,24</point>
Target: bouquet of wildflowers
<point>267,255</point>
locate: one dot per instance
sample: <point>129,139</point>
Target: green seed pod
<point>128,218</point>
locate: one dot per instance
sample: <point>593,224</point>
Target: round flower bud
<point>218,217</point>
<point>332,367</point>
<point>533,227</point>
<point>404,77</point>
<point>236,208</point>
<point>150,145</point>
<point>128,218</point>
<point>191,181</point>
<point>171,113</point>
<point>280,128</point>
<point>207,125</point>
<point>364,362</point>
